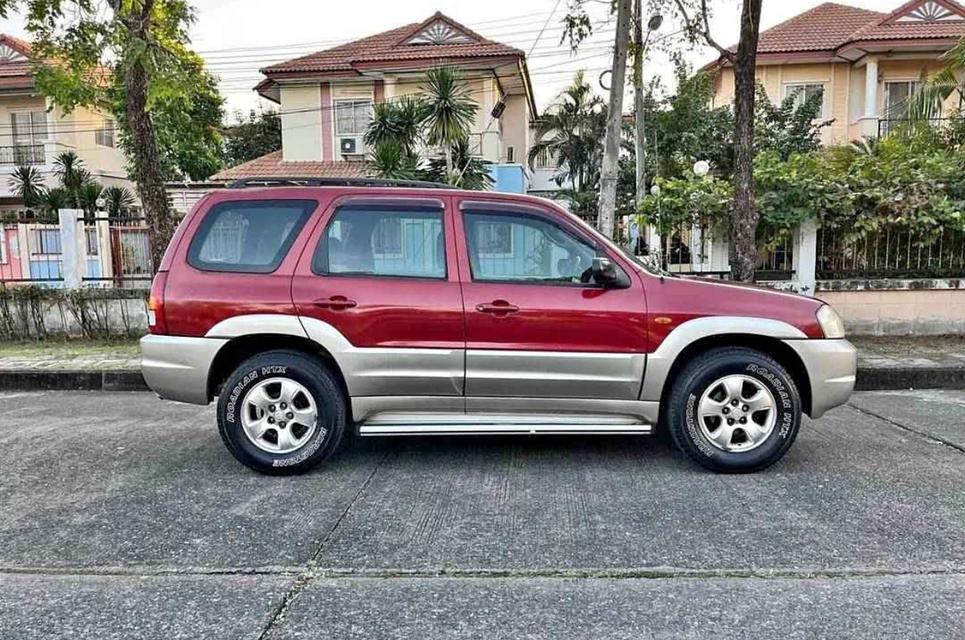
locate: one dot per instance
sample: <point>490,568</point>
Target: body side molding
<point>660,361</point>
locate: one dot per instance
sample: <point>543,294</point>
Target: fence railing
<point>108,252</point>
<point>887,126</point>
<point>890,253</point>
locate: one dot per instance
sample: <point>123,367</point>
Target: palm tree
<point>449,111</point>
<point>471,171</point>
<point>390,159</point>
<point>398,122</point>
<point>117,200</point>
<point>70,170</point>
<point>87,196</point>
<point>928,102</point>
<point>53,200</point>
<point>571,133</point>
<point>28,184</point>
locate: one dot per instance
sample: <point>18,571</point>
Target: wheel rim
<point>279,416</point>
<point>737,413</point>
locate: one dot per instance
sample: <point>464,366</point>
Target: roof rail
<point>296,181</point>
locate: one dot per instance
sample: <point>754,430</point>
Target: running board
<point>406,424</point>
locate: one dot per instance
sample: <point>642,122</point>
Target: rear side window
<point>383,241</point>
<point>249,236</point>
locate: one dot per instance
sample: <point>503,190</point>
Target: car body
<point>446,311</point>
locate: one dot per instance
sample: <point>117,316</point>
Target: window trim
<point>511,209</point>
<point>33,141</point>
<point>194,248</point>
<point>394,205</point>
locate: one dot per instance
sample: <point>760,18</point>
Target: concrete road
<point>122,516</point>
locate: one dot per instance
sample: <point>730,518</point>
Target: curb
<point>869,379</point>
<point>71,380</point>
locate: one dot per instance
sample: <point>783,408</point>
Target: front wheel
<point>281,412</point>
<point>734,410</point>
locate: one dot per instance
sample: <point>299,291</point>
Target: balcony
<point>22,154</point>
<point>887,126</point>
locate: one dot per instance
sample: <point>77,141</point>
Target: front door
<point>378,284</point>
<point>537,326</point>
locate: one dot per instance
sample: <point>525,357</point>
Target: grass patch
<point>120,348</point>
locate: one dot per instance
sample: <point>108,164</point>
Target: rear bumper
<point>831,366</point>
<point>176,367</point>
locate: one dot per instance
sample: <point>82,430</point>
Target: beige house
<point>33,131</point>
<point>326,99</point>
<point>865,63</point>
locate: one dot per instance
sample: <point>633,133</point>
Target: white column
<point>871,88</point>
<point>70,254</point>
<point>805,256</point>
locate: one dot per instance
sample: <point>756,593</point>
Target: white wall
<point>301,128</point>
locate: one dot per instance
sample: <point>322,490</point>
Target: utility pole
<point>640,138</point>
<point>611,147</point>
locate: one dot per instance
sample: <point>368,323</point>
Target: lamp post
<point>640,142</point>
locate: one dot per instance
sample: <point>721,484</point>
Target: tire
<point>700,405</point>
<point>252,401</point>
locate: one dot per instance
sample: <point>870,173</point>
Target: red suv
<point>408,309</point>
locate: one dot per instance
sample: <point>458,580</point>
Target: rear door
<point>381,272</point>
<point>537,326</point>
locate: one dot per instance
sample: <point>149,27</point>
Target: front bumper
<point>176,367</point>
<point>831,367</point>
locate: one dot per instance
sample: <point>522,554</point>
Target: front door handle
<point>335,303</point>
<point>497,308</point>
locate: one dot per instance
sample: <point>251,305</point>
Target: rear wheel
<point>734,410</point>
<point>282,412</point>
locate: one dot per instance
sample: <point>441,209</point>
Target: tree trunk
<point>744,217</point>
<point>145,163</point>
<point>611,147</point>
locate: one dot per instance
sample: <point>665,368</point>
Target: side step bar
<point>406,424</point>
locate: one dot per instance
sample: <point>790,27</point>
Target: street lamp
<point>701,168</point>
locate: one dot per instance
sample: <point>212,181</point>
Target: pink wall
<point>10,268</point>
<point>327,120</point>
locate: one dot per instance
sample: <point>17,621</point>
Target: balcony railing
<point>22,154</point>
<point>887,126</point>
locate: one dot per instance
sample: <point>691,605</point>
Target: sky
<point>237,37</point>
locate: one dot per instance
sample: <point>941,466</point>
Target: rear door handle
<point>497,308</point>
<point>335,303</point>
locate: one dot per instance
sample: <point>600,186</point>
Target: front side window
<point>352,117</point>
<point>249,235</point>
<point>510,247</point>
<point>805,91</point>
<point>383,241</point>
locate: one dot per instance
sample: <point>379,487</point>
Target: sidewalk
<point>883,363</point>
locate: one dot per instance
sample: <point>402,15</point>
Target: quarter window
<point>248,236</point>
<point>805,91</point>
<point>524,248</point>
<point>383,241</point>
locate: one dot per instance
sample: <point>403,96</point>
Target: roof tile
<point>388,46</point>
<point>271,165</point>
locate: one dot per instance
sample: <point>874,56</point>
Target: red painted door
<point>382,272</point>
<point>536,323</point>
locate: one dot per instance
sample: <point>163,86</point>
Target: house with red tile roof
<point>33,131</point>
<point>326,98</point>
<point>865,63</point>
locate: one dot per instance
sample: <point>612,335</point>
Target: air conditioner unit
<point>350,146</point>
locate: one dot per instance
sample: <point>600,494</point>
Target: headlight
<point>831,323</point>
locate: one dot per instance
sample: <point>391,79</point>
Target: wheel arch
<point>240,348</point>
<point>702,334</point>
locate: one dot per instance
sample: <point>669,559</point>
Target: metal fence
<point>110,252</point>
<point>22,154</point>
<point>890,253</point>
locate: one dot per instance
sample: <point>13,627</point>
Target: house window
<point>105,135</point>
<point>510,154</point>
<point>898,97</point>
<point>352,117</point>
<point>804,91</point>
<point>90,240</point>
<point>47,241</point>
<point>29,132</point>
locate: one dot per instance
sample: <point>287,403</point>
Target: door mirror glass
<point>604,271</point>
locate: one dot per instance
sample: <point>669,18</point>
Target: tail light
<point>155,305</point>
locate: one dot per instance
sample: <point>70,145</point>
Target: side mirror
<point>606,274</point>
